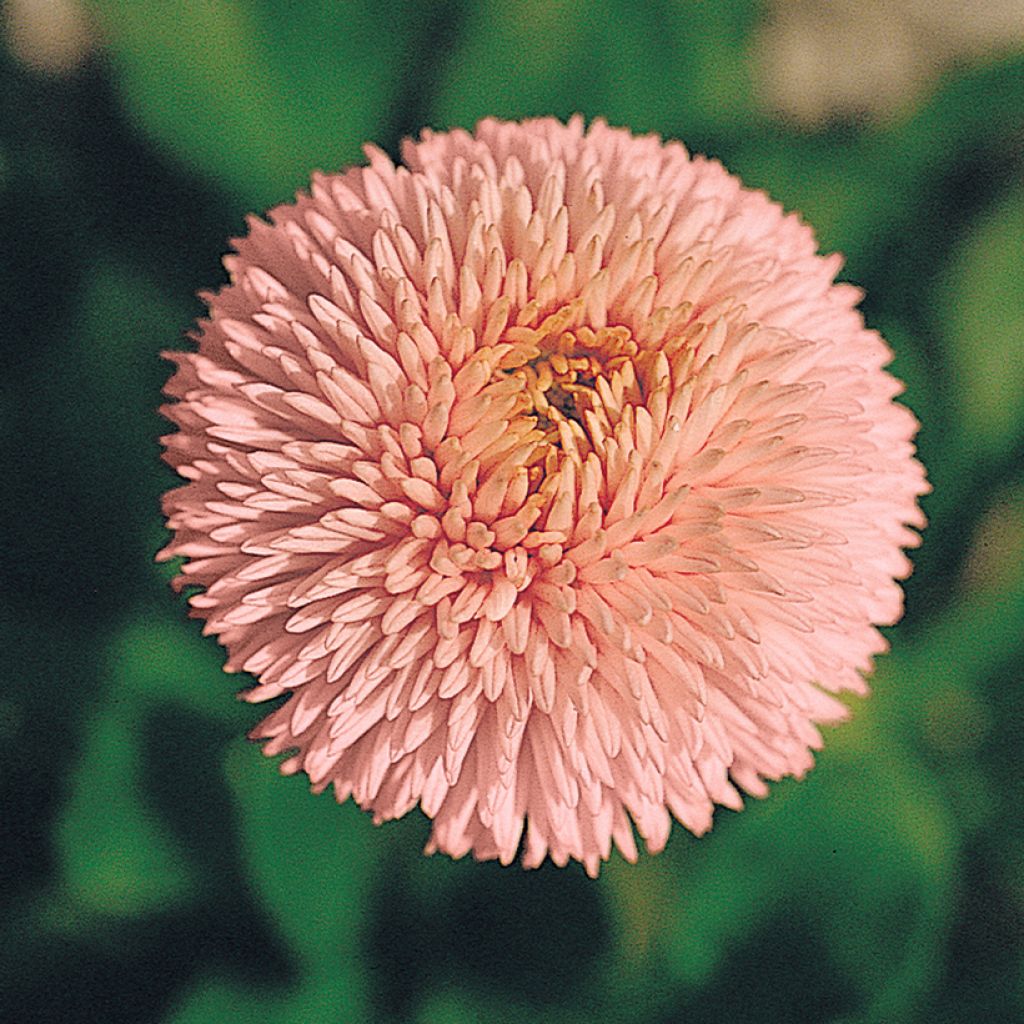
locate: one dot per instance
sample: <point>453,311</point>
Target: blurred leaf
<point>435,926</point>
<point>861,189</point>
<point>934,689</point>
<point>84,443</point>
<point>126,318</point>
<point>668,67</point>
<point>161,659</point>
<point>518,59</point>
<point>969,113</point>
<point>863,846</point>
<point>910,366</point>
<point>837,185</point>
<point>311,863</point>
<point>214,1000</point>
<point>258,95</point>
<point>964,646</point>
<point>310,858</point>
<point>982,303</point>
<point>114,853</point>
<point>709,69</point>
<point>968,110</point>
<point>996,557</point>
<point>461,1004</point>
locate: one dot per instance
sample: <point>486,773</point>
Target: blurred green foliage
<point>157,869</point>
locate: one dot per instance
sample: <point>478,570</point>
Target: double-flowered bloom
<point>553,481</point>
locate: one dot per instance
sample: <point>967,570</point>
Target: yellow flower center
<point>533,414</point>
<point>574,384</point>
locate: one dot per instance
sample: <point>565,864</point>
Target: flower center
<point>572,383</point>
<point>540,418</point>
<point>578,376</point>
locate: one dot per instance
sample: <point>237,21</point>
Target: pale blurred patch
<point>872,58</point>
<point>51,36</point>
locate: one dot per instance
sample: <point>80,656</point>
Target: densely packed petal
<point>552,480</point>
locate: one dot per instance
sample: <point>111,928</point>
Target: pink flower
<point>552,479</point>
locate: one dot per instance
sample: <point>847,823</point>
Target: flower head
<point>552,479</point>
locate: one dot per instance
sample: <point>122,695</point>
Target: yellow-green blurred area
<point>155,868</point>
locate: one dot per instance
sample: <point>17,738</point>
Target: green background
<point>156,868</point>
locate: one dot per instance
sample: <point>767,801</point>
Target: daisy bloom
<point>550,478</point>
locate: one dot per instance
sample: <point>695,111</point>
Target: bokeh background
<point>154,867</point>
